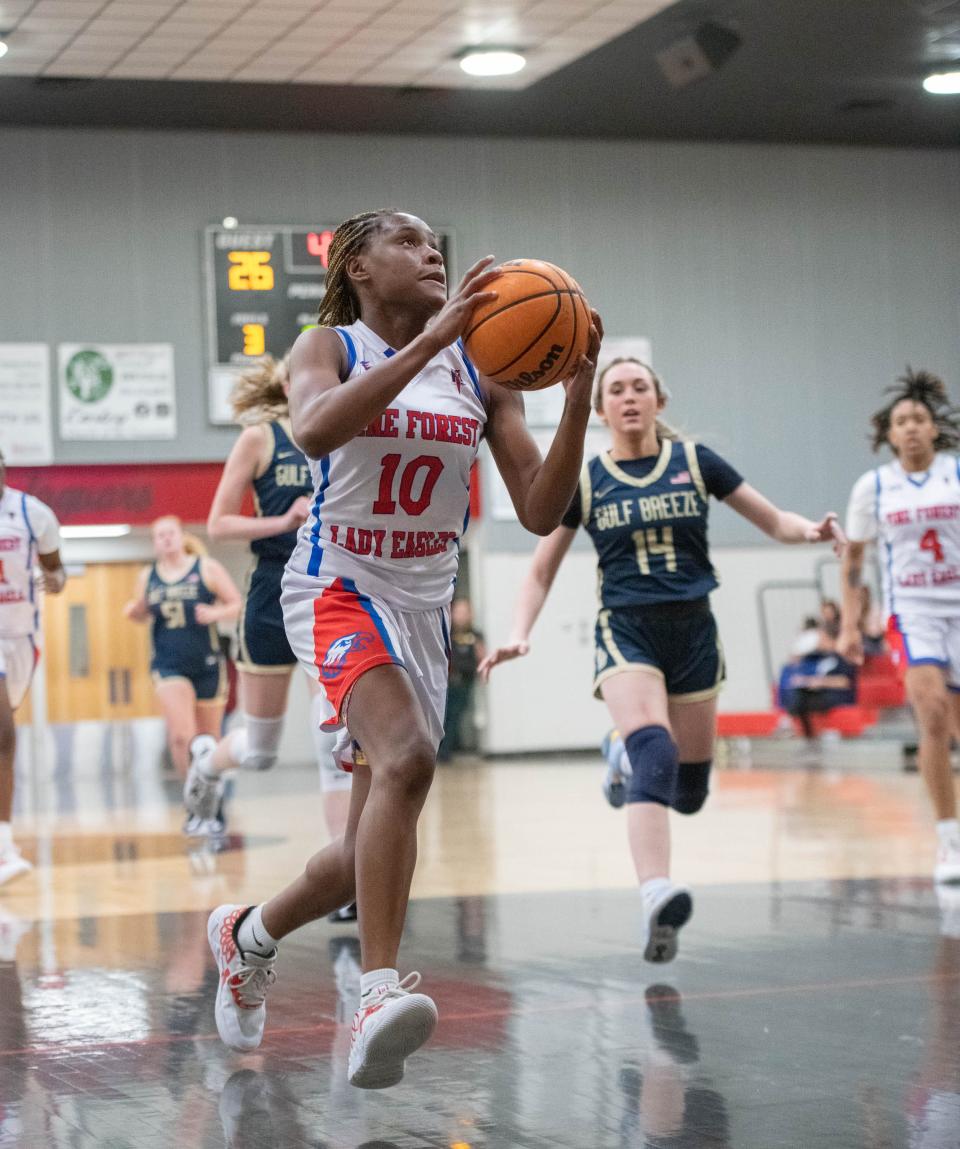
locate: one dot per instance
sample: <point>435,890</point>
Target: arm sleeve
<point>573,515</point>
<point>43,523</point>
<point>862,509</point>
<point>719,477</point>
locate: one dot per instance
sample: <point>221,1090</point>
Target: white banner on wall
<point>26,435</point>
<point>117,391</point>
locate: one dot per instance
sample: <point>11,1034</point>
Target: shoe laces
<point>401,989</point>
<point>251,982</point>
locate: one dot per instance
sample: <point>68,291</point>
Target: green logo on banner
<point>89,376</point>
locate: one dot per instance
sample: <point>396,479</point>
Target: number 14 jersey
<point>915,519</point>
<point>390,506</point>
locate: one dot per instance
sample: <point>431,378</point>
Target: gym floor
<point>815,1001</point>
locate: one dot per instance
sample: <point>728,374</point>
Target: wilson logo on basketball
<point>528,378</point>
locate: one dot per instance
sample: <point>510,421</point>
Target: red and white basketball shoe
<point>244,981</point>
<point>386,1029</point>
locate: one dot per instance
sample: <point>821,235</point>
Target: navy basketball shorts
<point>676,640</point>
<point>262,639</point>
<point>209,681</point>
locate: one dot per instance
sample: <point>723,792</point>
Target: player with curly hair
<point>910,507</point>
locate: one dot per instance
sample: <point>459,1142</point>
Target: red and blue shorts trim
<point>350,637</point>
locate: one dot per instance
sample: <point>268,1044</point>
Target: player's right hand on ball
<point>452,319</point>
<point>501,654</point>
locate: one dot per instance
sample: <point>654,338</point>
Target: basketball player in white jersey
<point>911,508</point>
<point>29,534</point>
<point>390,412</point>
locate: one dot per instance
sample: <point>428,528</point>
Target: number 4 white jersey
<point>915,519</point>
<point>389,507</point>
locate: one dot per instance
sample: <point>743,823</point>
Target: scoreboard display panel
<point>264,283</point>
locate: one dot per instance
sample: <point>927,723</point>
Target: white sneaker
<point>665,916</point>
<point>386,1031</point>
<point>948,861</point>
<point>244,981</point>
<point>12,864</point>
<point>201,792</point>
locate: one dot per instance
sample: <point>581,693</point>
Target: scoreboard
<point>264,284</point>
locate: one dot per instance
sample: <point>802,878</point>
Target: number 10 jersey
<point>389,507</point>
<point>915,519</point>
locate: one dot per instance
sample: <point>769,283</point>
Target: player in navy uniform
<point>659,662</point>
<point>266,459</point>
<point>183,595</point>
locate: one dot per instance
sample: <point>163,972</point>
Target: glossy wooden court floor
<point>815,1000</point>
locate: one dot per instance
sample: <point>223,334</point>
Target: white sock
<point>947,830</point>
<point>6,836</point>
<point>253,936</point>
<point>653,889</point>
<point>376,978</point>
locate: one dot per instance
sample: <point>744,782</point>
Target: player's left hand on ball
<point>828,530</point>
<point>579,383</point>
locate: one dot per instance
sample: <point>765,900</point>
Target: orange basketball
<point>530,335</point>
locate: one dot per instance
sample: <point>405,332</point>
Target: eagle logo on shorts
<point>334,661</point>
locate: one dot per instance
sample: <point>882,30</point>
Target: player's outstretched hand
<point>501,654</point>
<point>579,384</point>
<point>453,318</point>
<point>828,530</point>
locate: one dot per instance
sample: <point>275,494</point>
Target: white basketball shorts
<point>18,659</point>
<point>929,640</point>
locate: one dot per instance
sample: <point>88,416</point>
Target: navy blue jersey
<point>648,521</point>
<point>180,643</point>
<point>277,489</point>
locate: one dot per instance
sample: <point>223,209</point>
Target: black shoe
<point>344,914</point>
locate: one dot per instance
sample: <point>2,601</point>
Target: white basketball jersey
<point>389,507</point>
<point>27,527</point>
<point>915,519</point>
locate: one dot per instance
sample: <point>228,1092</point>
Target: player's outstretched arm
<point>136,609</point>
<point>530,599</point>
<point>785,526</point>
<point>850,640</point>
<point>52,572</point>
<point>541,489</point>
<point>245,463</point>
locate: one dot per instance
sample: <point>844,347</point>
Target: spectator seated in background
<point>817,682</point>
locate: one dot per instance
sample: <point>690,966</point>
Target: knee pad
<point>693,786</point>
<point>255,745</point>
<point>653,765</point>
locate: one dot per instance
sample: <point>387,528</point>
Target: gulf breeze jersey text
<point>389,507</point>
<point>915,519</point>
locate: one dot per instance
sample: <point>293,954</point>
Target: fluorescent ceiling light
<point>943,83</point>
<point>100,531</point>
<point>492,62</point>
<point>3,48</point>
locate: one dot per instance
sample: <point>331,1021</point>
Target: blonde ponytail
<point>194,546</point>
<point>259,394</point>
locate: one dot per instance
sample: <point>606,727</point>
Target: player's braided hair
<point>664,430</point>
<point>340,306</point>
<point>926,388</point>
<point>258,395</point>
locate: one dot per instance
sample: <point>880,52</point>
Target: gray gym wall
<point>782,287</point>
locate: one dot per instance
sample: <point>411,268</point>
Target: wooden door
<point>97,661</point>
